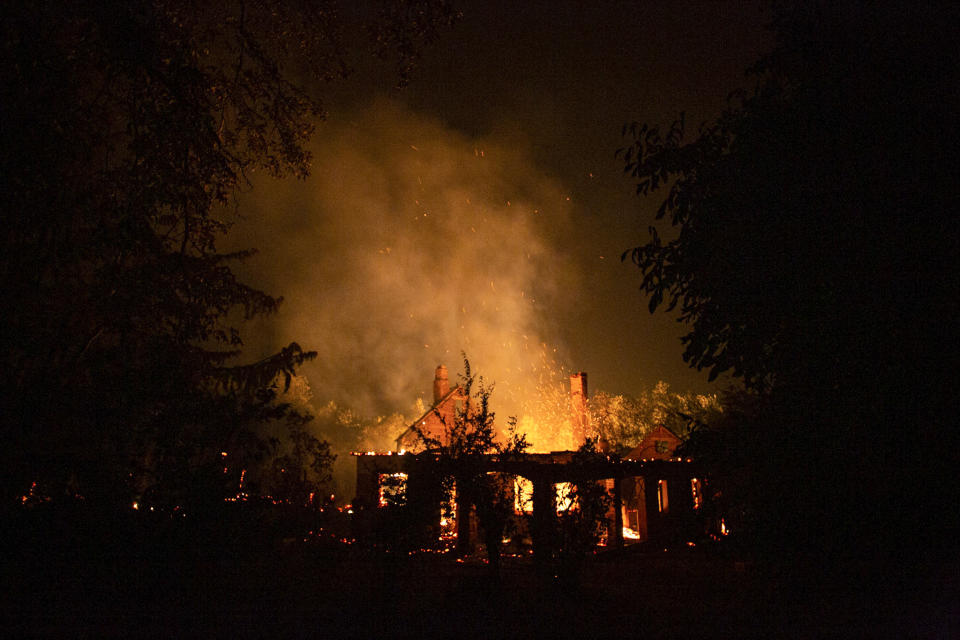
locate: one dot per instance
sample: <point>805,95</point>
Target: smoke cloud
<point>409,244</point>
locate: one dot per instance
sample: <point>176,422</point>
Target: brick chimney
<point>578,407</point>
<point>441,384</point>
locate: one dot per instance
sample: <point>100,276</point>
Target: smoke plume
<point>409,244</point>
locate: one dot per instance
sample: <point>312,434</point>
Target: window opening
<point>662,497</point>
<point>393,489</point>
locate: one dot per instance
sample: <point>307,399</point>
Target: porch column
<point>617,538</point>
<point>463,505</point>
<point>544,521</point>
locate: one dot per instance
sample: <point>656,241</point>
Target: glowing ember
<point>30,494</point>
<point>393,488</point>
<point>696,490</point>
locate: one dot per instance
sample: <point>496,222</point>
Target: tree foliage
<point>126,128</point>
<point>347,430</point>
<point>623,420</point>
<point>811,251</point>
<point>583,507</point>
<point>461,454</point>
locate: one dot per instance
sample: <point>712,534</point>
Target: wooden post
<point>617,512</point>
<point>463,521</point>
<point>544,517</point>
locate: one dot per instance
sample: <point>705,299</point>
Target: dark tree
<point>812,253</point>
<point>583,507</point>
<point>462,453</point>
<point>126,129</point>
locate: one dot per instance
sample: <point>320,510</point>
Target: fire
<point>393,488</point>
<point>522,495</point>
<point>566,497</point>
<point>26,498</point>
<point>545,416</point>
<point>630,534</point>
<point>696,490</point>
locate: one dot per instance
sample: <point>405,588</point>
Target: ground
<point>320,588</point>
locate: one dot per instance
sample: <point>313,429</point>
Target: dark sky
<point>482,209</point>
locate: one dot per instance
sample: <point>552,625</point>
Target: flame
<point>545,409</point>
<point>630,534</point>
<point>566,497</point>
<point>522,495</point>
<point>393,487</point>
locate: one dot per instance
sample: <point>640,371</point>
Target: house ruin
<point>656,496</point>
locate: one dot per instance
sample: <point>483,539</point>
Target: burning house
<point>654,495</point>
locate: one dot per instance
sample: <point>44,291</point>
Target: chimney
<point>578,407</point>
<point>441,384</point>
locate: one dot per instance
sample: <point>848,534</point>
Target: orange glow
<point>663,503</point>
<point>544,414</point>
<point>522,495</point>
<point>30,494</point>
<point>448,516</point>
<point>696,490</point>
<point>393,488</point>
<point>566,496</point>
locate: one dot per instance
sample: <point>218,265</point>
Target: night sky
<point>481,209</point>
